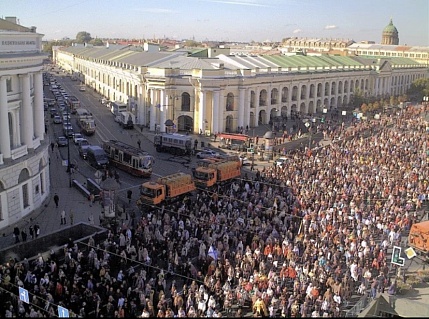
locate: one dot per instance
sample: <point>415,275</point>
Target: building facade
<point>225,92</point>
<point>24,159</point>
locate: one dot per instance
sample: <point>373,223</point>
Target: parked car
<point>77,137</point>
<point>62,141</point>
<point>57,119</point>
<point>53,111</point>
<point>207,154</point>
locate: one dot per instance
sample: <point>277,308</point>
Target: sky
<point>224,20</point>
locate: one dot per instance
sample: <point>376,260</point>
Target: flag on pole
<point>213,253</point>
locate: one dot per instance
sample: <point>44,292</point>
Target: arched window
<point>24,176</point>
<point>186,102</point>
<point>229,102</point>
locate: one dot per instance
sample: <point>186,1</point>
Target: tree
<point>376,106</point>
<point>364,108</point>
<point>47,47</point>
<point>357,98</point>
<point>83,37</point>
<point>419,88</point>
<point>97,42</point>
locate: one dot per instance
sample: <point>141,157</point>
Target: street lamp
<point>308,126</point>
<point>68,147</point>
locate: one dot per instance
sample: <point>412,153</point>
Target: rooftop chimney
<point>11,19</point>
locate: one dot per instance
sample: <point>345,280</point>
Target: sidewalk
<point>48,216</point>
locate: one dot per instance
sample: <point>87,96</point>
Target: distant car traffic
<point>207,154</point>
<point>77,137</point>
<point>57,119</point>
<point>83,147</point>
<point>68,130</point>
<point>62,141</point>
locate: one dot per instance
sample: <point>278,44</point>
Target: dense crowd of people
<point>293,241</point>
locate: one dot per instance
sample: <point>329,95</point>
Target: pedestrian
<point>63,217</point>
<point>91,218</point>
<point>139,143</point>
<point>52,146</point>
<point>24,235</point>
<point>16,233</point>
<point>91,199</point>
<point>129,195</point>
<point>31,231</point>
<point>56,199</point>
<point>71,217</point>
<point>36,230</point>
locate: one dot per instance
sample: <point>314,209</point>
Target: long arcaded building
<point>221,92</point>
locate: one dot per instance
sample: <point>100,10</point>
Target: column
<point>220,120</point>
<point>247,108</point>
<point>38,106</point>
<point>202,111</point>
<point>257,92</point>
<point>215,111</point>
<point>162,110</point>
<point>241,98</point>
<point>27,114</point>
<point>4,120</point>
<point>152,118</point>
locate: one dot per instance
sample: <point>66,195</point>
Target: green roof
<point>390,28</point>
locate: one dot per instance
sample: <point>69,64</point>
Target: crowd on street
<point>296,240</point>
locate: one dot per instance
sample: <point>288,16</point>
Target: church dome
<point>390,35</point>
<point>390,28</point>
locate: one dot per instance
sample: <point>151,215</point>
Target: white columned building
<point>24,156</point>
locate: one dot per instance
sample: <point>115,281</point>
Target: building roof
<point>6,25</point>
<point>181,60</point>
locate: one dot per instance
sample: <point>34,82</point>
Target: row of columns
<point>159,107</point>
<point>32,115</point>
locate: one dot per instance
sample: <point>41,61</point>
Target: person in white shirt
<point>337,298</point>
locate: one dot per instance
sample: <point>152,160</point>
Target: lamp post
<point>68,147</point>
<point>308,126</point>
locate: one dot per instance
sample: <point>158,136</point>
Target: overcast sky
<point>224,20</point>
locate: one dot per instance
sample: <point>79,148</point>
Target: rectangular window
<point>25,199</point>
